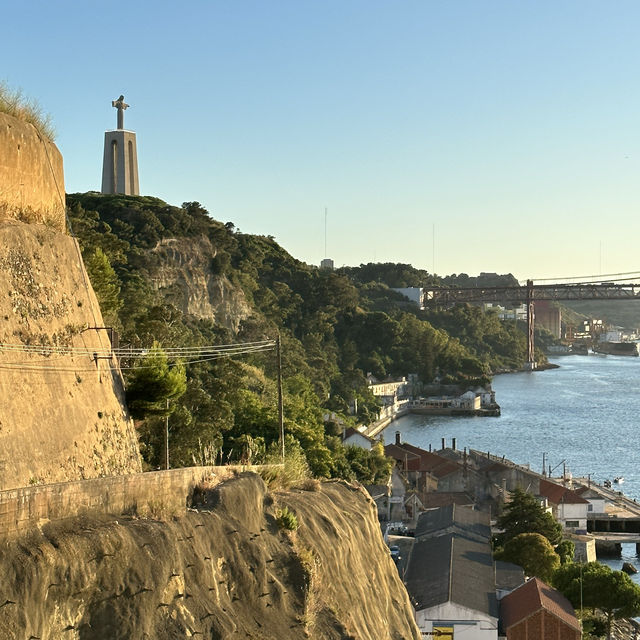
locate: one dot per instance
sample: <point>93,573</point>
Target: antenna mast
<point>325,232</point>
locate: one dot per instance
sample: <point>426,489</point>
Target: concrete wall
<point>31,175</point>
<point>155,493</point>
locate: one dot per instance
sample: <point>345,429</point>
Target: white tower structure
<point>120,160</point>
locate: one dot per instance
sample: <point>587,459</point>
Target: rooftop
<point>461,520</point>
<point>452,568</point>
<point>532,596</point>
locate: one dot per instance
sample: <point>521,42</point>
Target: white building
<point>388,388</point>
<point>415,294</point>
<point>569,508</point>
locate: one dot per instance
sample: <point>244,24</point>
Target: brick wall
<point>154,493</point>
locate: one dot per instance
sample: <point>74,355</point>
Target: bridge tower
<point>530,365</point>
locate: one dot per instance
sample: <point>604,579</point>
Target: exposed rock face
<point>62,417</point>
<point>31,175</point>
<point>185,276</point>
<point>227,571</point>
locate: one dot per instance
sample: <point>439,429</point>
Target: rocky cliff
<point>225,570</point>
<point>184,275</point>
<point>62,416</point>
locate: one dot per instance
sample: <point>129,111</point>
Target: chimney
<point>443,445</point>
<point>453,443</point>
<point>398,438</point>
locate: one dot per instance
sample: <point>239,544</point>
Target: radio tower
<point>327,263</point>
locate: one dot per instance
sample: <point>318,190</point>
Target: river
<point>585,413</point>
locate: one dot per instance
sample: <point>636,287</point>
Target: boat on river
<point>616,348</point>
<point>618,480</point>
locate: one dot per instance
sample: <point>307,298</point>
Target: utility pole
<point>544,466</point>
<point>166,438</point>
<point>280,407</point>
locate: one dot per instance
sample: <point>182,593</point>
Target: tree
<point>597,586</point>
<point>523,514</point>
<point>153,384</point>
<point>566,550</point>
<point>533,552</point>
<point>105,283</point>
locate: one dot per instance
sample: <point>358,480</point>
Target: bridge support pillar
<point>608,549</point>
<point>531,358</point>
<point>637,549</point>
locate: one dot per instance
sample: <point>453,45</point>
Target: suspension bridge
<point>618,286</point>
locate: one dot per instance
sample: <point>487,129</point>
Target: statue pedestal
<point>120,163</point>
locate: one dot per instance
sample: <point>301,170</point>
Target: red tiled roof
<point>434,464</point>
<point>352,431</point>
<point>398,453</point>
<point>532,596</point>
<point>558,494</point>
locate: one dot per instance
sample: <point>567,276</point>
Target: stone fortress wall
<point>62,416</point>
<point>31,175</point>
<point>155,494</point>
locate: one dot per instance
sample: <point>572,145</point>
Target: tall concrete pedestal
<point>120,163</point>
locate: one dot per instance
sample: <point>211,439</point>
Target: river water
<point>585,413</point>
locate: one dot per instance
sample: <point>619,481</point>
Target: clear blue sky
<point>510,127</point>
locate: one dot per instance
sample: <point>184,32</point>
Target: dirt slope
<point>225,571</point>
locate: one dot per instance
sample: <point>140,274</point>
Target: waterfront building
<point>568,507</point>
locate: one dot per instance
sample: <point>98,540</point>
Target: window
<point>572,524</point>
<point>590,507</point>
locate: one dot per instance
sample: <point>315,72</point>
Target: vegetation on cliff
<point>14,103</point>
<point>335,327</point>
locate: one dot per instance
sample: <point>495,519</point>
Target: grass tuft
<point>14,103</point>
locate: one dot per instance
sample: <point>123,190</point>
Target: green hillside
<point>335,327</point>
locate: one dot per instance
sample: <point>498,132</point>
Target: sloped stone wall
<point>62,417</point>
<point>31,175</point>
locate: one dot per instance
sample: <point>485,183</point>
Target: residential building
<point>389,388</point>
<point>569,507</point>
<point>353,437</point>
<point>536,611</point>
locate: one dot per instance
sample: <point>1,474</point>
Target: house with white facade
<point>597,502</point>
<point>569,507</point>
<point>353,437</point>
<point>468,400</point>
<point>389,388</point>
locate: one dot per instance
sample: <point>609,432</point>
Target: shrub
<point>287,519</point>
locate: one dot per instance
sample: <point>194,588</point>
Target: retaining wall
<point>31,175</point>
<point>154,493</point>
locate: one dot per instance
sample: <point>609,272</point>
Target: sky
<point>457,136</point>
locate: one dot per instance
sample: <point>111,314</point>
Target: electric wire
<point>180,355</point>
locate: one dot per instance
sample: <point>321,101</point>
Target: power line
<point>181,355</point>
<point>129,352</point>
